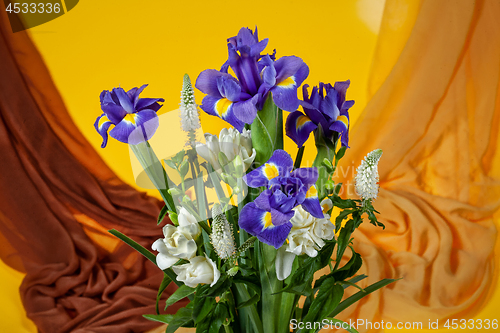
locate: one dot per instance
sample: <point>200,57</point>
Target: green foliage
<point>266,136</point>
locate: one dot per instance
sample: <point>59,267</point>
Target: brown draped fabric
<point>57,199</point>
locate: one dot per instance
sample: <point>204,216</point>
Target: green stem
<point>298,158</point>
<point>270,284</point>
<point>248,312</point>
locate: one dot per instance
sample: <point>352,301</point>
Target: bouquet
<point>250,225</point>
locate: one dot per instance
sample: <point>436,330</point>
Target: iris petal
<point>115,113</point>
<point>298,127</point>
<point>143,103</point>
<point>280,164</point>
<point>311,203</point>
<point>246,111</point>
<point>139,128</point>
<point>207,82</point>
<point>125,101</point>
<point>256,222</point>
<point>102,124</point>
<point>308,176</point>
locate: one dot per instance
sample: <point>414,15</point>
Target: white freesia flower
<point>176,245</point>
<point>178,242</point>
<point>199,270</point>
<point>306,237</point>
<point>301,218</point>
<point>300,241</point>
<point>322,229</point>
<point>230,142</point>
<point>366,180</point>
<point>188,224</point>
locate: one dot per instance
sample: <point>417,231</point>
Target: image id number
<point>33,8</point>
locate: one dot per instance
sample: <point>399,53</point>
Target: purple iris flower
<point>238,100</point>
<point>268,217</point>
<point>135,118</point>
<point>326,107</point>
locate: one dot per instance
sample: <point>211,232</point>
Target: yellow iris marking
<point>302,120</point>
<point>222,106</point>
<point>287,83</point>
<point>130,117</point>
<point>312,192</point>
<point>268,221</point>
<point>270,171</point>
<point>343,119</point>
<point>103,120</point>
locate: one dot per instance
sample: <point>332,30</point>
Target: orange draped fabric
<point>436,115</point>
<point>433,109</point>
<point>57,199</point>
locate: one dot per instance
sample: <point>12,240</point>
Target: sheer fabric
<point>435,112</point>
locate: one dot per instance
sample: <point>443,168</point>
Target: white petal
<point>284,263</point>
<point>164,260</point>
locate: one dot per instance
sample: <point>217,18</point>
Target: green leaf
<point>164,284</point>
<point>171,164</point>
<point>163,212</point>
<point>254,299</point>
<point>203,306</point>
<point>265,132</point>
<point>136,246</point>
<point>163,318</point>
<point>219,317</point>
<point>184,168</point>
<point>181,318</point>
<point>328,298</point>
<point>359,295</point>
<point>179,156</point>
<point>304,275</point>
<point>182,292</point>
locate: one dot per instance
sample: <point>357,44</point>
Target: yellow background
<point>102,44</point>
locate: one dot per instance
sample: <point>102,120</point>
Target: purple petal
<point>311,203</point>
<point>207,81</point>
<point>143,103</point>
<point>280,164</point>
<point>279,218</point>
<point>269,76</point>
<point>301,74</point>
<point>125,101</point>
<point>287,66</point>
<point>298,127</point>
<point>341,87</point>
<point>229,88</point>
<point>101,125</point>
<point>115,113</point>
<point>222,108</point>
<point>257,48</point>
<point>135,92</point>
<point>308,176</point>
<point>286,97</point>
<point>246,111</point>
<point>256,222</point>
<point>136,128</point>
<point>262,201</point>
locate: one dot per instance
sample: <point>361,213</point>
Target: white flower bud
<point>222,234</point>
<point>199,270</point>
<point>366,180</point>
<point>190,117</point>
